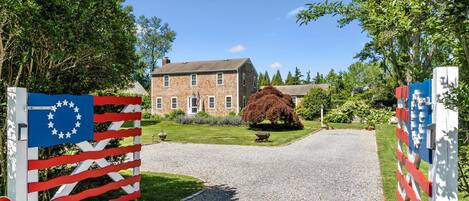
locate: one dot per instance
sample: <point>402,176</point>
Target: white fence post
<point>444,170</point>
<point>17,144</point>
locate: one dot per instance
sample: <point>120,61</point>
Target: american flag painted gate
<point>429,132</point>
<point>39,120</point>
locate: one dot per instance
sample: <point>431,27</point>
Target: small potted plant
<point>262,136</point>
<point>162,135</point>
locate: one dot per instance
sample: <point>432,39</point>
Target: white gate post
<point>444,171</point>
<point>17,144</point>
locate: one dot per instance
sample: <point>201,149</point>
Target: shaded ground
<point>328,165</point>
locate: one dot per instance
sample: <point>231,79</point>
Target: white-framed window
<point>220,80</point>
<point>165,80</point>
<point>254,83</point>
<point>193,79</point>
<point>294,99</point>
<point>244,79</point>
<point>159,103</point>
<point>211,102</point>
<point>174,102</point>
<point>228,102</point>
<point>245,101</point>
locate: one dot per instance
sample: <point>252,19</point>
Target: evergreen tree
<point>266,79</point>
<point>277,79</point>
<point>319,79</point>
<point>298,76</point>
<point>289,80</point>
<point>260,80</point>
<point>308,78</point>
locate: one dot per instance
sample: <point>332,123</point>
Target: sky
<point>264,31</point>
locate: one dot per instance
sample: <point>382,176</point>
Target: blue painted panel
<point>420,117</point>
<point>62,119</point>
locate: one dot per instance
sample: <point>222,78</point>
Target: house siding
<point>250,86</point>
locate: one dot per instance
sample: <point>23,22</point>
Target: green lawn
<point>207,134</point>
<point>348,125</point>
<point>161,186</point>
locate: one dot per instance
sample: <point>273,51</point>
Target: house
<point>297,92</point>
<point>137,89</point>
<point>217,87</point>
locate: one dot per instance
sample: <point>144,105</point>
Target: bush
<point>310,107</point>
<point>271,104</point>
<point>175,114</point>
<point>215,121</point>
<point>146,115</point>
<point>378,116</point>
<point>232,114</point>
<point>202,114</point>
<point>337,116</point>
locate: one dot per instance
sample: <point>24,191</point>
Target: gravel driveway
<point>328,165</point>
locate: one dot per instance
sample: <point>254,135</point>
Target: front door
<point>193,107</point>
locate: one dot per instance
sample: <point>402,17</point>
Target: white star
<point>53,108</point>
<point>59,104</point>
<point>50,116</point>
<point>76,109</point>
<point>65,102</point>
<point>74,131</point>
<point>68,135</point>
<point>71,104</point>
<point>54,131</point>
<point>50,124</point>
<point>77,125</point>
<point>78,116</point>
<point>61,135</point>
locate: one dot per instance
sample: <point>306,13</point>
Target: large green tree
<point>64,46</point>
<point>155,39</point>
<point>265,79</point>
<point>277,79</point>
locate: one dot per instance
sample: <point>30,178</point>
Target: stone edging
<point>195,194</point>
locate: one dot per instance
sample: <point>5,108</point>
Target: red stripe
<point>90,155</point>
<point>68,179</point>
<point>399,197</point>
<point>116,100</point>
<point>132,196</point>
<point>117,133</point>
<point>408,189</point>
<point>100,118</point>
<point>397,92</point>
<point>402,114</point>
<point>402,136</point>
<point>100,190</point>
<point>426,186</point>
<point>405,92</point>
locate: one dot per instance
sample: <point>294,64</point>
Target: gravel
<point>328,165</point>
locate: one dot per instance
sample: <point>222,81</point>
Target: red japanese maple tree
<point>271,104</point>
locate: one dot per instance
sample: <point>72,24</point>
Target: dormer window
<point>220,80</point>
<point>166,80</point>
<point>193,79</point>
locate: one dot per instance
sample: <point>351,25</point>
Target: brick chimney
<point>165,61</point>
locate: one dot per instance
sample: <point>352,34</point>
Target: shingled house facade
<point>217,87</point>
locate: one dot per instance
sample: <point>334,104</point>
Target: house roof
<point>136,88</point>
<point>201,66</point>
<point>300,90</point>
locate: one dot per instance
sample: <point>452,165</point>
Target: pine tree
<point>277,79</point>
<point>260,80</point>
<point>308,78</point>
<point>265,79</point>
<point>297,76</point>
<point>319,79</point>
<point>289,80</point>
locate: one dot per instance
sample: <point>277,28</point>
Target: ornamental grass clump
<point>271,104</point>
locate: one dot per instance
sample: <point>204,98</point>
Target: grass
<point>207,134</point>
<point>348,125</point>
<point>387,144</point>
<point>161,186</point>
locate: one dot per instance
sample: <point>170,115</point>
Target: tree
<point>319,79</point>
<point>290,80</point>
<point>298,76</point>
<point>270,104</point>
<point>308,78</point>
<point>64,46</point>
<point>155,39</point>
<point>260,79</point>
<point>310,107</point>
<point>277,79</point>
<point>265,79</point>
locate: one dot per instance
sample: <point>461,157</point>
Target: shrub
<point>215,121</point>
<point>310,107</point>
<point>270,104</point>
<point>175,114</point>
<point>337,116</point>
<point>232,114</point>
<point>146,115</point>
<point>157,118</point>
<point>202,114</point>
<point>378,116</point>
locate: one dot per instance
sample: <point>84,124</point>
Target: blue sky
<point>265,31</point>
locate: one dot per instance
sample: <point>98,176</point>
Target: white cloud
<point>276,65</point>
<point>237,48</point>
<point>295,11</point>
